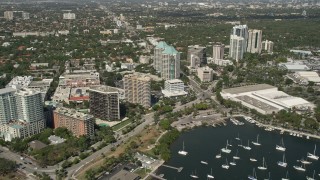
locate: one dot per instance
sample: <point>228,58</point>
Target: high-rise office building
<point>166,61</point>
<point>267,46</point>
<point>104,102</point>
<point>8,109</point>
<point>137,89</point>
<point>218,51</point>
<point>197,56</point>
<point>254,41</point>
<point>238,41</point>
<point>8,15</point>
<point>78,123</point>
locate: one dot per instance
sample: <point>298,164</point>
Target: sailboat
<point>238,138</point>
<point>204,162</point>
<point>311,178</point>
<point>281,146</point>
<point>283,163</point>
<point>226,150</point>
<point>210,176</point>
<point>194,176</point>
<point>300,168</point>
<point>286,178</point>
<point>313,156</point>
<point>183,152</point>
<point>218,156</point>
<point>264,166</point>
<point>236,156</point>
<point>233,163</point>
<point>256,143</point>
<point>225,166</point>
<point>253,176</point>
<point>305,161</point>
<point>240,145</point>
<point>253,160</point>
<point>247,147</point>
<point>269,177</point>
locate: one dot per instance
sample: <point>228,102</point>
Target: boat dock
<point>179,169</point>
<point>269,127</point>
<point>156,176</point>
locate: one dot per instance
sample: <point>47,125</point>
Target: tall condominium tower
<point>167,61</point>
<point>8,15</point>
<point>137,89</point>
<point>238,41</point>
<point>197,56</point>
<point>29,105</point>
<point>267,46</point>
<point>254,41</point>
<point>217,51</point>
<point>104,102</point>
<point>8,109</point>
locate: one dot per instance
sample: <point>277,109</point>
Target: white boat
<point>218,156</point>
<point>264,166</point>
<point>269,177</point>
<point>194,176</point>
<point>240,145</point>
<point>204,162</point>
<point>256,143</point>
<point>226,150</point>
<point>299,168</point>
<point>311,178</point>
<point>305,161</point>
<point>247,147</point>
<point>183,152</point>
<point>286,178</point>
<point>283,163</point>
<point>236,156</point>
<point>313,156</point>
<point>281,147</point>
<point>253,160</point>
<point>253,176</point>
<point>210,176</point>
<point>225,166</point>
<point>233,163</point>
<point>238,138</point>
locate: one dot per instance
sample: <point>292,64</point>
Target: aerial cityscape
<point>167,90</point>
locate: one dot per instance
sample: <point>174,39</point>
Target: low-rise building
<point>266,99</point>
<point>219,62</point>
<point>85,79</point>
<point>205,74</point>
<point>173,88</point>
<point>305,77</point>
<point>78,123</point>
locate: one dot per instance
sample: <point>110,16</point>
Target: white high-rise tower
<point>238,41</point>
<point>254,41</point>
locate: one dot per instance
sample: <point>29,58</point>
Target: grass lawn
<point>121,125</point>
<point>142,172</point>
<point>146,138</point>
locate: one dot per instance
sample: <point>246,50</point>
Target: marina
<point>239,162</point>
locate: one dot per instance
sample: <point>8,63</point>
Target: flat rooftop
<point>39,84</point>
<point>73,113</point>
<point>7,90</point>
<point>104,89</point>
<point>249,88</point>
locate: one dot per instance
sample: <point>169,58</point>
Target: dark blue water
<point>204,143</point>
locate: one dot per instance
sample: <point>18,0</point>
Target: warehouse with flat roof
<point>265,98</point>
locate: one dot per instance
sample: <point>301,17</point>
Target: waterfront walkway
<point>281,128</point>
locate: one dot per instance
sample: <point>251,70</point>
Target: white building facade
<point>173,88</point>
